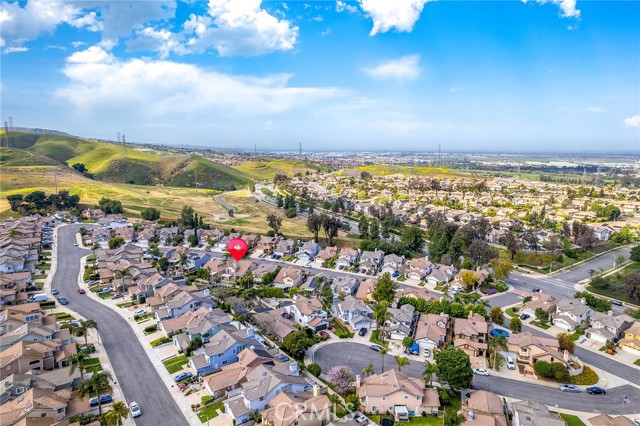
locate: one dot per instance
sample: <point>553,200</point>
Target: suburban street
<point>136,375</point>
<point>357,356</point>
<point>606,262</point>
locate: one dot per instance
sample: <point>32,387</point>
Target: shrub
<point>543,369</point>
<point>502,287</point>
<point>150,329</point>
<point>314,369</point>
<point>206,399</point>
<point>560,372</point>
<point>588,377</point>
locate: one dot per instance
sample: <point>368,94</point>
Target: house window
<point>418,397</point>
<point>384,398</point>
<point>261,398</point>
<point>406,397</point>
<point>374,408</point>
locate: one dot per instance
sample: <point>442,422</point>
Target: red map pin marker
<point>237,247</point>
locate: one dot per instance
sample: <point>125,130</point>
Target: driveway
<point>358,356</point>
<point>137,376</point>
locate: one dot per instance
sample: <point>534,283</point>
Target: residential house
<point>325,255</point>
<point>418,268</point>
<point>471,335</point>
<point>353,313</point>
<point>261,385</point>
<point>631,341</point>
<point>365,290</point>
<point>571,314</point>
<point>275,324</point>
<point>393,265</point>
<point>185,302</point>
<point>484,408</point>
<point>289,277</point>
<point>37,406</point>
<point>529,349</point>
<point>371,261</point>
<point>603,232</point>
<point>347,257</point>
<point>533,413</point>
<point>401,322</point>
<point>607,327</point>
<point>284,248</point>
<point>298,409</point>
<point>440,274</point>
<point>396,393</point>
<point>263,268</point>
<point>607,420</point>
<point>345,285</point>
<point>223,349</point>
<point>542,301</point>
<point>266,245</point>
<point>308,250</point>
<point>431,331</point>
<point>308,312</point>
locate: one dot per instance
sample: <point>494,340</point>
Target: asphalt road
<point>219,199</point>
<point>358,356</point>
<point>138,378</point>
<point>606,262</point>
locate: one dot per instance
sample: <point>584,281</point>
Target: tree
<point>635,254</point>
<point>274,222</point>
<point>342,378</point>
<point>188,217</point>
<point>76,362</point>
<point>116,242</point>
<point>384,289</point>
<point>632,286</point>
<point>363,227</point>
<point>119,411</point>
<point>515,325</point>
<point>429,369</point>
<point>314,369</point>
<point>83,327</point>
<point>457,246</point>
<point>530,240</point>
<point>438,242</point>
<point>109,206</point>
<point>192,240</point>
<point>98,383</point>
<point>502,267</point>
<point>511,243</point>
<point>407,341</point>
<point>553,244</point>
<point>542,315</point>
<point>401,361</point>
<point>368,370</point>
<point>15,201</point>
<point>295,343</point>
<point>413,238</point>
<point>480,252</point>
<point>496,344</point>
<point>150,213</point>
<point>587,239</point>
<point>469,279</point>
<point>497,316</point>
<point>453,368</point>
<point>476,229</point>
<point>331,225</point>
<point>566,342</point>
<point>543,369</point>
<point>246,281</point>
<point>314,225</point>
<point>374,230</point>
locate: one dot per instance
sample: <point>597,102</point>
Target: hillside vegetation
<point>389,169</point>
<point>266,170</point>
<point>115,163</point>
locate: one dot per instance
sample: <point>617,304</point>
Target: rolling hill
<point>266,170</point>
<point>115,163</point>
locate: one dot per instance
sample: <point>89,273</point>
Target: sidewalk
<point>102,354</point>
<point>182,402</point>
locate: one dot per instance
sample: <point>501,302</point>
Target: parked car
<point>491,292</point>
<point>498,332</point>
<point>524,316</point>
<point>395,274</point>
<point>135,409</point>
<point>362,332</point>
<point>569,388</point>
<point>376,348</point>
<point>54,291</point>
<point>81,291</point>
<point>104,399</point>
<point>63,300</point>
<point>140,312</point>
<point>510,364</point>
<point>104,291</point>
<point>183,376</point>
<point>75,244</point>
<point>582,339</point>
<point>616,302</point>
<point>117,296</point>
<point>596,390</point>
<point>455,289</point>
<point>536,290</point>
<point>480,372</point>
<point>324,334</point>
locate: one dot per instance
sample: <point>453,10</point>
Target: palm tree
<point>401,361</point>
<point>383,352</point>
<point>97,383</point>
<point>368,370</point>
<point>77,363</point>
<point>496,344</point>
<point>184,260</point>
<point>429,369</point>
<point>119,411</point>
<point>382,316</point>
<point>122,275</point>
<point>446,293</point>
<point>83,329</point>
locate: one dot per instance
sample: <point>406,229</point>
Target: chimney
<point>471,416</point>
<point>583,300</point>
<point>357,381</point>
<point>316,390</point>
<point>250,332</point>
<point>293,368</point>
<point>609,313</point>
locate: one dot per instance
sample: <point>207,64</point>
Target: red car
<point>324,334</point>
<point>81,290</point>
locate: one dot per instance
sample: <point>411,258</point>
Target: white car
<point>140,312</point>
<point>135,409</point>
<point>582,339</point>
<point>480,372</point>
<point>455,290</point>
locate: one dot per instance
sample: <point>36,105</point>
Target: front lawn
<point>637,362</point>
<point>511,313</point>
<point>588,377</point>
<point>210,411</point>
<point>106,295</point>
<point>160,341</point>
<point>542,325</point>
<point>572,420</point>
<point>415,420</point>
<point>375,338</point>
<point>174,365</point>
<point>340,330</point>
<point>125,304</point>
<point>92,365</point>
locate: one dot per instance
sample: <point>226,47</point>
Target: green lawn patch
<point>63,316</point>
<point>637,362</point>
<point>511,312</point>
<point>143,318</point>
<point>106,295</point>
<point>542,261</point>
<point>588,377</point>
<point>375,338</point>
<point>572,420</point>
<point>160,341</point>
<point>415,420</point>
<point>174,365</point>
<point>542,325</point>
<point>210,411</point>
<point>39,277</point>
<point>126,304</point>
<point>44,266</point>
<point>92,365</point>
<point>340,330</point>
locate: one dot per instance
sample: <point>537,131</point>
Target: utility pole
<point>11,123</point>
<point>196,178</point>
<point>6,134</point>
<point>300,148</point>
<point>255,149</point>
<point>124,142</point>
<point>55,179</point>
<point>118,137</point>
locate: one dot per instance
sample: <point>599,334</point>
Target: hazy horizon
<point>555,76</point>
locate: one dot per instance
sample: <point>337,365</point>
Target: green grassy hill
<point>113,163</point>
<point>266,170</point>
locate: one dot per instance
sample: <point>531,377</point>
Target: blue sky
<point>359,75</point>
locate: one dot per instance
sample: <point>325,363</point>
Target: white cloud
<point>78,43</point>
<point>267,125</point>
<point>400,15</point>
<point>567,7</point>
<point>405,68</point>
<point>342,7</point>
<point>149,88</point>
<point>633,122</point>
<point>455,89</point>
<point>15,49</point>
<point>595,109</point>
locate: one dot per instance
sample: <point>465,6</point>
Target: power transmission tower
<point>124,142</point>
<point>11,123</point>
<point>6,134</point>
<point>118,137</point>
<point>55,179</point>
<point>300,148</point>
<point>255,149</point>
<point>197,179</point>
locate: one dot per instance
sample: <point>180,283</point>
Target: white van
<point>510,364</point>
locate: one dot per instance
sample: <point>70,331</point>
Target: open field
<point>389,169</point>
<point>266,170</point>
